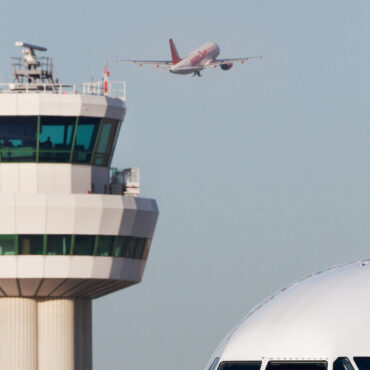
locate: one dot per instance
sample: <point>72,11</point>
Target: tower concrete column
<point>83,334</point>
<point>56,334</point>
<point>64,334</point>
<point>18,333</point>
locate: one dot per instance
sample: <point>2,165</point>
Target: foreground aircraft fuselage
<point>203,57</point>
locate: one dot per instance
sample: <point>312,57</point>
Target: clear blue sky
<point>261,173</point>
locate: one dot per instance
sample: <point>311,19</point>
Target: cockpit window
<point>363,363</point>
<point>297,365</point>
<point>236,365</point>
<point>342,363</point>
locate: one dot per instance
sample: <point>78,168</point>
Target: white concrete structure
<point>310,323</point>
<point>66,234</point>
<point>46,104</point>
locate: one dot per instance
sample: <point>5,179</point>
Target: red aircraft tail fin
<point>175,55</point>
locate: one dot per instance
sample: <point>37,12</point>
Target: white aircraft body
<point>199,59</point>
<point>319,323</point>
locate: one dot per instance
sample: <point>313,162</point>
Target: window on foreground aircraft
<point>256,365</point>
<point>297,365</point>
<point>342,363</point>
<point>363,363</point>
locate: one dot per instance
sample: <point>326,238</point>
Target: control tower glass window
<point>104,245</point>
<point>105,142</point>
<point>124,247</point>
<point>58,244</point>
<point>63,245</point>
<point>87,129</point>
<point>55,138</point>
<point>8,244</point>
<point>145,254</point>
<point>18,138</point>
<point>139,247</point>
<point>31,244</point>
<point>83,245</point>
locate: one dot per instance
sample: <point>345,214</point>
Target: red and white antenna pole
<point>106,78</point>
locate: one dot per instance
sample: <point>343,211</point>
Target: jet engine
<point>226,66</point>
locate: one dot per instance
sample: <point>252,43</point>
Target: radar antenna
<point>32,69</point>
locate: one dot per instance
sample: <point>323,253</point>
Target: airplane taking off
<point>199,59</point>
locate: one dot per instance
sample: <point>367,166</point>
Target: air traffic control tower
<point>71,229</point>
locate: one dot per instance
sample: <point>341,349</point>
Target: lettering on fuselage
<point>202,54</point>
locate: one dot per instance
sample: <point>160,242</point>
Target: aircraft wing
<point>157,63</point>
<point>231,60</point>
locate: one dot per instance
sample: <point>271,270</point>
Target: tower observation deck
<point>71,228</point>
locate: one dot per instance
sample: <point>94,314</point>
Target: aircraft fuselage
<point>197,59</point>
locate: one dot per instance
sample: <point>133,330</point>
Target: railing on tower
<point>114,89</point>
<point>126,182</point>
<point>34,74</point>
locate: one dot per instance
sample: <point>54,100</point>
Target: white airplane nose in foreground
<point>319,323</point>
